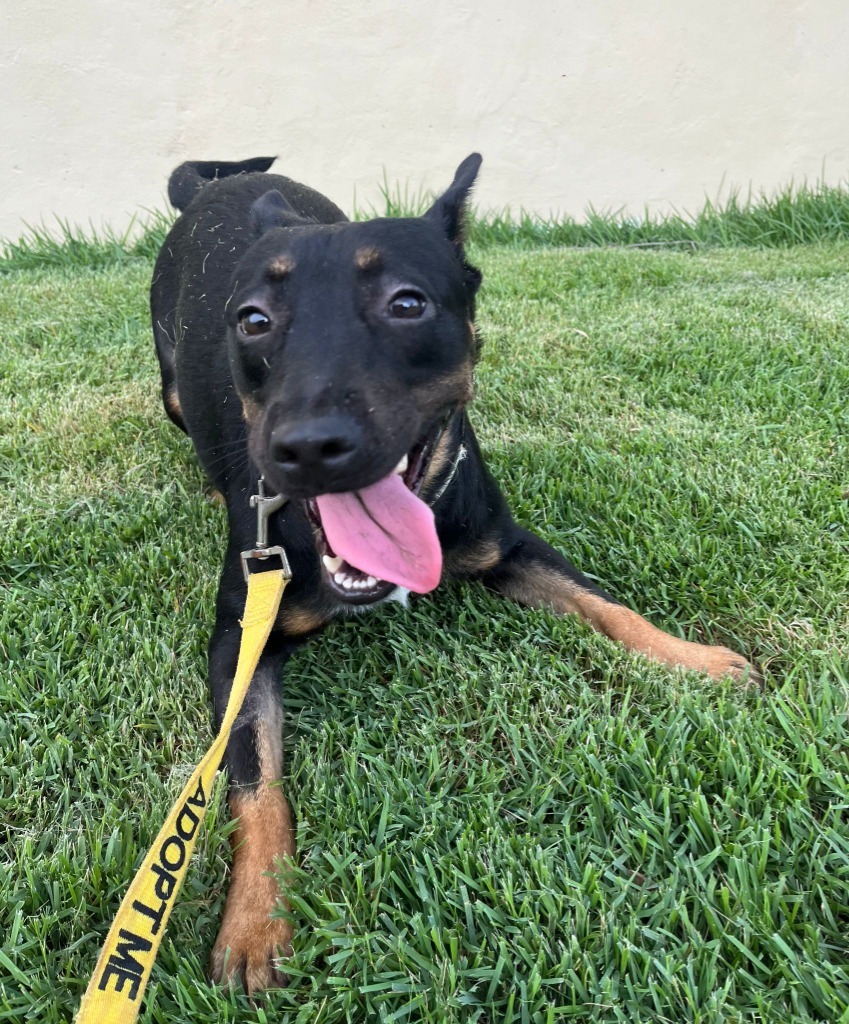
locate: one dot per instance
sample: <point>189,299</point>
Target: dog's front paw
<point>720,663</point>
<point>248,949</point>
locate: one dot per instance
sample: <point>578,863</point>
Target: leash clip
<point>265,507</point>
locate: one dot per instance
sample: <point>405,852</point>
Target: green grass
<point>69,246</point>
<point>794,215</point>
<point>789,216</point>
<point>502,817</point>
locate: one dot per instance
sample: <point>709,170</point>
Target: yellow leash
<point>123,968</point>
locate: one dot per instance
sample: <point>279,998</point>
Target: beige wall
<point>574,102</point>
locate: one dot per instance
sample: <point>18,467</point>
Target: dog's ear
<point>450,212</point>
<point>272,210</point>
<point>450,209</point>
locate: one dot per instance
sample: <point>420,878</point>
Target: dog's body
<point>337,360</point>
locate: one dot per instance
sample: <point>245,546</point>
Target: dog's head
<point>351,345</point>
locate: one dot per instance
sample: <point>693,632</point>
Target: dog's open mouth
<point>382,536</point>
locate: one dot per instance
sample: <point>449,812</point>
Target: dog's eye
<point>254,322</point>
<point>407,305</point>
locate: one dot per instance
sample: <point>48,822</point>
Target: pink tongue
<point>384,531</point>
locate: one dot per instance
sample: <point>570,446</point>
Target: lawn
<point>502,817</point>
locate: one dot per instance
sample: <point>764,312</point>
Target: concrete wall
<point>609,102</point>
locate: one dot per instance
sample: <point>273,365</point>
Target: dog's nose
<point>325,445</point>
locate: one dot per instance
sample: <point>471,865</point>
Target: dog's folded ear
<point>272,210</point>
<point>450,208</point>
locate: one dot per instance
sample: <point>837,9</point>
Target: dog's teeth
<point>402,466</point>
<point>344,580</point>
<point>332,564</point>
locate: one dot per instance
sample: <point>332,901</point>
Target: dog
<point>336,360</point>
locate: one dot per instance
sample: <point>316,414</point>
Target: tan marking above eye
<point>280,267</point>
<point>367,257</point>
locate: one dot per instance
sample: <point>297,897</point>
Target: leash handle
<point>123,968</point>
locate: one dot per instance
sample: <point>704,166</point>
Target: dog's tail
<point>190,176</point>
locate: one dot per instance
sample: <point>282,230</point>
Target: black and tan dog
<point>337,360</point>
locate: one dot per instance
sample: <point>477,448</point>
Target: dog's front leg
<point>534,574</point>
<point>250,940</point>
